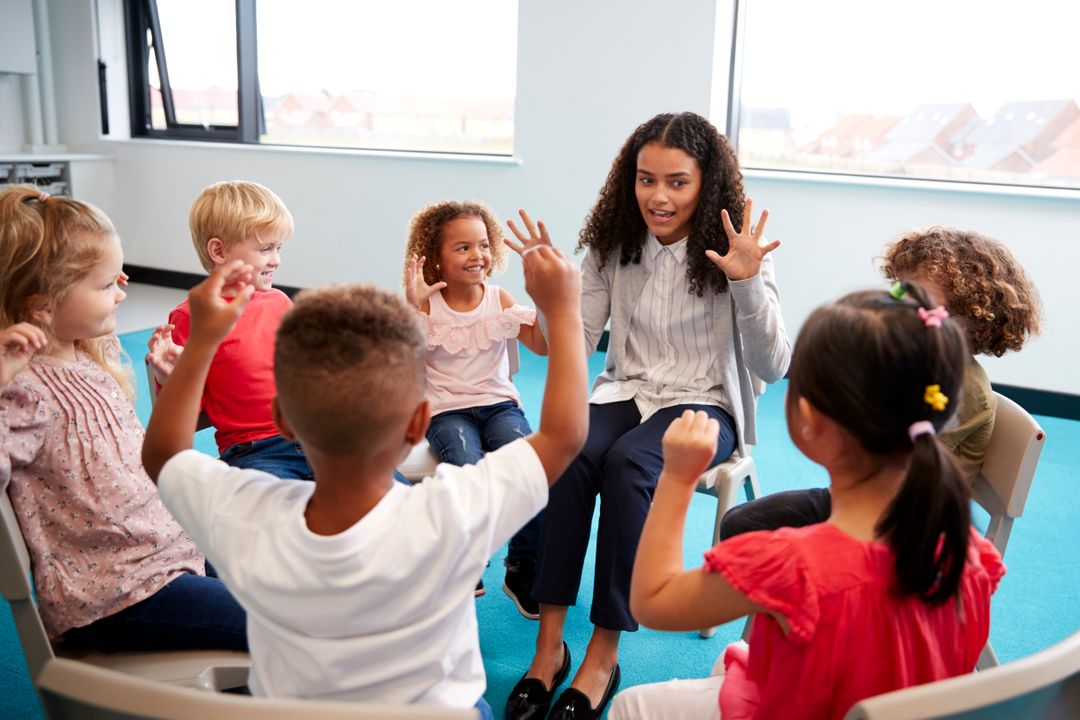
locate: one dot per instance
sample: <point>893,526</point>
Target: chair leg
<point>746,628</point>
<point>987,658</point>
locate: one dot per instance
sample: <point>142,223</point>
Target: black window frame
<point>142,21</point>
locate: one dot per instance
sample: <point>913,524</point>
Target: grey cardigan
<point>749,336</point>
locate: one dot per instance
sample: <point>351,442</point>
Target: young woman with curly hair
<point>978,281</point>
<point>694,313</point>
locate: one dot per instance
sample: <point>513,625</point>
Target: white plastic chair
<point>1002,486</point>
<point>75,691</point>
<point>1043,685</point>
<point>725,481</point>
<point>422,460</point>
<point>177,667</point>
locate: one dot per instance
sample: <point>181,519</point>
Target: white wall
<point>588,73</point>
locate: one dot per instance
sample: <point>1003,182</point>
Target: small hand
<point>690,445</point>
<point>18,344</point>
<point>163,353</point>
<point>417,291</point>
<point>219,300</point>
<point>745,249</point>
<point>552,280</point>
<point>538,235</point>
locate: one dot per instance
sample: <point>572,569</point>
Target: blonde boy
<point>242,221</point>
<point>358,587</point>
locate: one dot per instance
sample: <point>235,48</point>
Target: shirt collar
<point>653,247</point>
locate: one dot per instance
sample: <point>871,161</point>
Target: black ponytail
<point>928,523</point>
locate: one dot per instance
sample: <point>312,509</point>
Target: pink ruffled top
<point>851,637</point>
<point>468,364</point>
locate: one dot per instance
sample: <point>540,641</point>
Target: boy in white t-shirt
<point>357,587</point>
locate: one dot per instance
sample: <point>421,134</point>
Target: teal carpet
<point>1037,605</point>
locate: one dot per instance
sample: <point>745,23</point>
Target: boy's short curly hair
<point>233,211</point>
<point>425,235</point>
<point>982,281</point>
<point>349,364</point>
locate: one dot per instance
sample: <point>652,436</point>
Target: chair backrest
<point>17,587</point>
<point>1016,443</point>
<point>1043,685</point>
<point>72,690</point>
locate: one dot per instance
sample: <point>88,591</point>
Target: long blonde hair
<point>47,244</point>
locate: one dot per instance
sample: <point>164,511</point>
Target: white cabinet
<point>18,51</point>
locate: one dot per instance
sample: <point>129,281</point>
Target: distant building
<point>1019,136</point>
<point>924,136</point>
<point>853,136</point>
<point>1064,162</point>
<point>765,131</point>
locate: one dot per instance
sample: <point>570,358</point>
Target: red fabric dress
<point>851,637</point>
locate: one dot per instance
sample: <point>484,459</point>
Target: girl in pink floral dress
<point>112,568</point>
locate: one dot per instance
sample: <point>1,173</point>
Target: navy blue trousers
<point>620,463</point>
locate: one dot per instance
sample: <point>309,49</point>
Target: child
<point>358,587</point>
<point>694,311</point>
<point>245,221</point>
<point>468,323</point>
<point>112,569</point>
<point>893,591</point>
<point>982,285</point>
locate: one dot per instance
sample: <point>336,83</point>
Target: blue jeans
<point>193,612</point>
<point>275,455</point>
<point>461,437</point>
<point>485,710</point>
<point>620,463</point>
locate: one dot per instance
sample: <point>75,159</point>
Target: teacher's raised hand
<point>745,248</point>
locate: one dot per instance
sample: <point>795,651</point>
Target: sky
<point>888,57</point>
<point>449,47</point>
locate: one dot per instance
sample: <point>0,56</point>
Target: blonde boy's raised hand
<point>163,353</point>
<point>18,343</point>
<point>689,446</point>
<point>417,291</point>
<point>219,300</point>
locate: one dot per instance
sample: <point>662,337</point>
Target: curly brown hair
<point>982,281</point>
<point>615,222</point>
<point>425,235</point>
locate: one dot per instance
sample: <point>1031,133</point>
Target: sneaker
<point>518,587</point>
<point>479,589</point>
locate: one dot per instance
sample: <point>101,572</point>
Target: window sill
<point>324,151</point>
<point>915,184</point>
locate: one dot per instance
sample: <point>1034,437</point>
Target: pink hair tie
<point>933,318</point>
<point>43,196</point>
<point>922,427</point>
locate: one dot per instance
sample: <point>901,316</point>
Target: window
<point>965,90</point>
<point>414,75</point>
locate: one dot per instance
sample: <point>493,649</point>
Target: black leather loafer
<point>574,704</point>
<point>530,700</point>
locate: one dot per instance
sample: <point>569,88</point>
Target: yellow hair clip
<point>935,398</point>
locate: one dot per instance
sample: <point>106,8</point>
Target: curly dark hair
<point>425,235</point>
<point>615,222</point>
<point>982,281</point>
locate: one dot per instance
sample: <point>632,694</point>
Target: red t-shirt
<point>240,385</point>
<point>851,637</point>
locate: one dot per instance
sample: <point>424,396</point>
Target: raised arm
<point>663,594</point>
<point>749,268</point>
<point>216,305</point>
<point>554,284</point>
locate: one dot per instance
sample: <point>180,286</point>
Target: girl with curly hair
<point>694,314</point>
<point>982,285</point>
<point>453,249</point>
